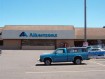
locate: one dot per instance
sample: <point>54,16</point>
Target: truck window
<point>73,50</point>
<point>60,51</point>
<point>84,50</point>
<point>94,50</point>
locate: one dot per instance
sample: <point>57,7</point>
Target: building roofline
<point>39,27</point>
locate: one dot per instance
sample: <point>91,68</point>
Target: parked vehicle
<point>74,54</point>
<point>96,53</point>
<point>96,50</point>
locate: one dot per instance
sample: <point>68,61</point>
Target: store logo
<point>23,34</point>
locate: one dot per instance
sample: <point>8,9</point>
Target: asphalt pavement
<point>23,64</point>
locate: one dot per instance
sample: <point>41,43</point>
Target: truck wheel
<point>47,62</point>
<point>77,61</point>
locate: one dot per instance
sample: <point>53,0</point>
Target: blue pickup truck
<point>73,54</point>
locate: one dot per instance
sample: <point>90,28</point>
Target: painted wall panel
<point>17,34</point>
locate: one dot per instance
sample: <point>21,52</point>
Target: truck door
<point>72,53</point>
<point>60,56</point>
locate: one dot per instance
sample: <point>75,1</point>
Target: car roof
<point>95,48</point>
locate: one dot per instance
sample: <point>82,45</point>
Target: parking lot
<point>23,64</point>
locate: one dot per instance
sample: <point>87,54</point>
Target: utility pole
<point>85,22</point>
<point>85,43</point>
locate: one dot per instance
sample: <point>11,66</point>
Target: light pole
<point>85,22</point>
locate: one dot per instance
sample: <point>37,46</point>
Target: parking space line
<point>64,72</point>
<point>97,63</point>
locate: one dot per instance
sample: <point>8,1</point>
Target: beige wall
<point>70,43</point>
<point>12,44</point>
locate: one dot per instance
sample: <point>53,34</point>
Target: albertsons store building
<point>47,36</point>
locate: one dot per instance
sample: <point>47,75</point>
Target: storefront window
<point>25,42</point>
<point>38,42</point>
<point>1,42</point>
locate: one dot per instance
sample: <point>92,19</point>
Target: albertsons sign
<point>24,34</point>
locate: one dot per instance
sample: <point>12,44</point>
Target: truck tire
<point>77,61</point>
<point>47,62</point>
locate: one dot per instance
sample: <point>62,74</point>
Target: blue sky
<point>52,12</point>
